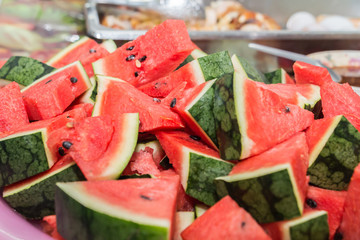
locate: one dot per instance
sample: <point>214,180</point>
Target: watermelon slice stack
<point>163,130</point>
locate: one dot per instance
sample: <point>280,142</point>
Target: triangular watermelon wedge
<point>116,96</point>
<point>151,56</point>
<point>143,208</point>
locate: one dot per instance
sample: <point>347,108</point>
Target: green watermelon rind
<point>337,156</point>
<point>312,225</point>
<point>288,205</point>
<point>36,199</point>
<point>24,70</point>
<point>204,103</point>
<point>41,162</point>
<point>241,65</point>
<point>108,221</point>
<point>198,173</point>
<point>215,65</point>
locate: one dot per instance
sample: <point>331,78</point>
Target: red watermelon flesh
<point>48,225</point>
<point>330,201</point>
<point>349,227</point>
<point>141,162</point>
<point>174,141</point>
<point>307,73</point>
<point>134,194</point>
<point>340,99</point>
<point>269,119</point>
<point>293,151</point>
<point>177,93</point>
<point>121,97</point>
<point>89,138</point>
<point>12,111</point>
<point>52,94</point>
<point>292,93</point>
<point>225,220</point>
<point>85,50</point>
<point>161,87</point>
<point>149,57</point>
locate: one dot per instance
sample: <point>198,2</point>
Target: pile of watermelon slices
<point>158,140</point>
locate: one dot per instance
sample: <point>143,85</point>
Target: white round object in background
<point>299,21</point>
<point>337,23</point>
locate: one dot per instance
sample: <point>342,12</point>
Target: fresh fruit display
<point>116,156</point>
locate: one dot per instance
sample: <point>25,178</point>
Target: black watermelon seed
<point>157,100</point>
<point>61,151</point>
<point>173,103</point>
<point>145,197</point>
<point>143,58</point>
<point>136,74</point>
<point>67,116</point>
<point>48,81</point>
<point>67,144</point>
<point>196,138</point>
<point>338,235</point>
<point>130,48</point>
<point>73,80</point>
<point>129,58</point>
<point>92,50</point>
<point>311,203</point>
<point>243,224</point>
<point>287,109</point>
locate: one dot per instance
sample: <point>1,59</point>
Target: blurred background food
<point>39,28</point>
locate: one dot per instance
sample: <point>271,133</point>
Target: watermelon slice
<point>43,186</point>
<point>141,162</point>
<point>196,164</point>
<point>155,148</point>
<point>308,73</point>
<point>24,70</point>
<point>311,225</point>
<point>112,141</point>
<point>125,98</point>
<point>142,208</point>
<point>225,220</point>
<point>52,94</point>
<point>196,72</point>
<point>281,171</point>
<point>334,152</point>
<point>303,95</point>
<point>351,217</point>
<point>12,112</point>
<point>340,99</point>
<point>195,54</point>
<point>84,50</point>
<point>330,201</point>
<point>150,56</point>
<point>279,76</point>
<point>48,225</point>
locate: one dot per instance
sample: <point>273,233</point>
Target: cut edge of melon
<point>197,71</point>
<point>77,191</point>
<point>102,85</point>
<point>322,142</point>
<point>125,150</point>
<point>300,220</point>
<point>109,45</point>
<point>240,109</point>
<point>8,191</point>
<point>66,50</point>
<point>265,171</point>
